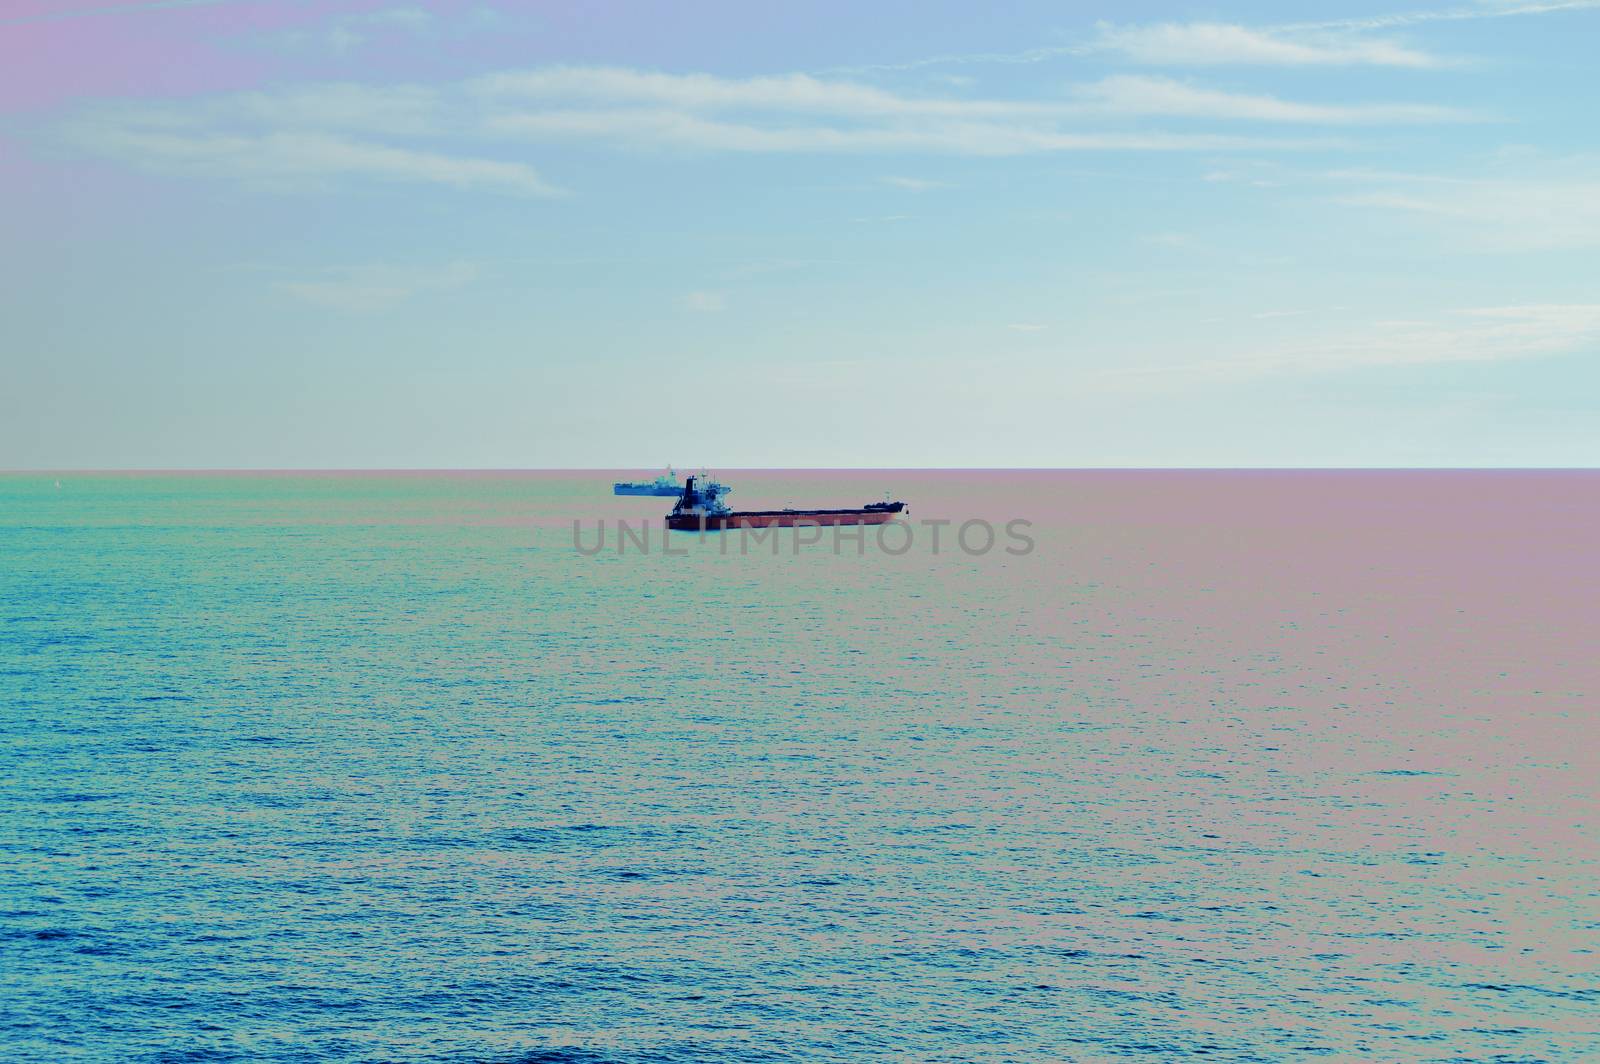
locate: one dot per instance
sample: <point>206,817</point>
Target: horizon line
<point>356,470</point>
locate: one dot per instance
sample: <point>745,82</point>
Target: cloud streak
<point>802,113</point>
<point>1331,41</point>
<point>347,33</point>
<point>1478,334</point>
<point>678,130</point>
<point>1212,44</point>
<point>615,90</point>
<point>1521,213</point>
<point>448,135</point>
<point>1486,10</point>
<point>705,302</point>
<point>283,159</point>
<point>258,138</point>
<point>1135,95</point>
<point>374,288</point>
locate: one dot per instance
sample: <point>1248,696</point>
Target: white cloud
<point>669,128</point>
<point>1532,212</point>
<point>1236,177</point>
<point>801,113</point>
<point>1136,95</point>
<point>707,92</point>
<point>373,288</point>
<point>1484,9</point>
<point>331,130</point>
<point>202,144</point>
<point>1213,43</point>
<point>612,90</point>
<point>346,33</point>
<point>1480,334</point>
<point>675,129</point>
<point>913,184</point>
<point>401,110</point>
<point>285,157</point>
<point>705,302</point>
<point>1328,42</point>
<point>411,18</point>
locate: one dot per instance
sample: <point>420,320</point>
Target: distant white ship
<point>665,484</point>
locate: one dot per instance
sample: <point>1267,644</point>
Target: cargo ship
<point>700,508</point>
<point>664,485</point>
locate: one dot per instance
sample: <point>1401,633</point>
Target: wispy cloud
<point>1309,43</point>
<point>291,139</point>
<point>346,33</point>
<point>707,92</point>
<point>447,134</point>
<point>1479,334</point>
<point>374,288</point>
<point>1214,43</point>
<point>706,302</point>
<point>1523,212</point>
<point>621,89</point>
<point>681,130</point>
<point>913,184</point>
<point>1136,95</point>
<point>802,113</point>
<point>284,159</point>
<point>411,18</point>
<point>369,110</point>
<point>1485,9</point>
<point>1256,175</point>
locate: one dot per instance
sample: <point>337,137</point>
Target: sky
<point>341,234</point>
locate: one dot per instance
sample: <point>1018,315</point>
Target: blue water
<point>381,769</point>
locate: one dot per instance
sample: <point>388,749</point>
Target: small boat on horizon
<point>664,485</point>
<point>700,508</point>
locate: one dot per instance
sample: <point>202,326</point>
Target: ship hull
<point>663,491</point>
<point>779,519</point>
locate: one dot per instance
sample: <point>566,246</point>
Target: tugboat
<point>700,508</point>
<point>666,484</point>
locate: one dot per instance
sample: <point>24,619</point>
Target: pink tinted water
<point>1248,766</point>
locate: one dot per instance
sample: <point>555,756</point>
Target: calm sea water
<point>1232,766</point>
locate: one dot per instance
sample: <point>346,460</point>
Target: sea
<point>1163,766</point>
